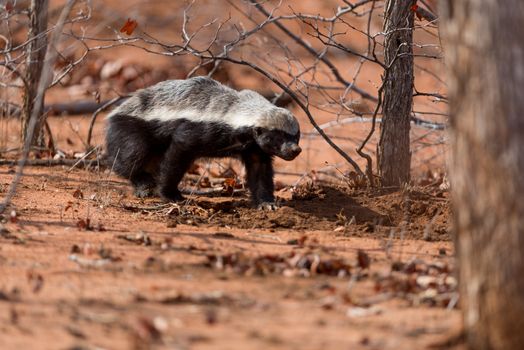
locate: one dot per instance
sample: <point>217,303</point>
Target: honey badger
<point>153,137</point>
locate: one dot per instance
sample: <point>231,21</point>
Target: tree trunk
<point>36,50</point>
<point>394,156</point>
<point>485,58</point>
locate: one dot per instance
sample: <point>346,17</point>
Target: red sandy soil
<point>86,265</point>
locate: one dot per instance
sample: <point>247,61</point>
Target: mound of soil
<point>417,213</point>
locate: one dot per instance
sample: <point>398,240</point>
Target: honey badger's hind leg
<point>177,160</point>
<point>129,151</point>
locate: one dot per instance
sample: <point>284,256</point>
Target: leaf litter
<point>288,264</point>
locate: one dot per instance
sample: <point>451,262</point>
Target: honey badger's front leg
<point>259,169</point>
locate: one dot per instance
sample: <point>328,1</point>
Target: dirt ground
<point>85,265</point>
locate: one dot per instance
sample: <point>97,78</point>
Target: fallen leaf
<point>363,259</point>
<point>229,186</point>
<point>204,182</point>
<point>68,206</point>
<point>4,231</point>
<point>139,238</point>
<point>224,235</point>
<point>82,262</point>
<point>146,329</point>
<point>75,332</point>
<point>9,6</point>
<point>415,9</point>
<point>129,26</point>
<point>355,312</point>
<point>78,194</point>
<point>84,224</point>
<point>13,217</point>
<point>292,242</point>
<point>35,280</point>
<point>426,281</point>
<point>75,249</point>
<point>211,316</point>
<point>13,316</point>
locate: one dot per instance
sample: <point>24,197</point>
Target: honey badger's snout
<point>295,150</point>
<point>290,150</point>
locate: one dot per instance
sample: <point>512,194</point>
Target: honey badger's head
<point>278,133</point>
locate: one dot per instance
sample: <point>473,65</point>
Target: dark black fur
<point>156,154</point>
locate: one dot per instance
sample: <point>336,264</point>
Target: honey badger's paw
<point>171,195</point>
<point>270,206</point>
<point>144,192</point>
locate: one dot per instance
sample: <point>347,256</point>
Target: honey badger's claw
<point>270,206</point>
<point>144,192</point>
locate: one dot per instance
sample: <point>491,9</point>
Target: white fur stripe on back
<point>205,100</point>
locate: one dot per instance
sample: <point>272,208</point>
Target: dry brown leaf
<point>129,26</point>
